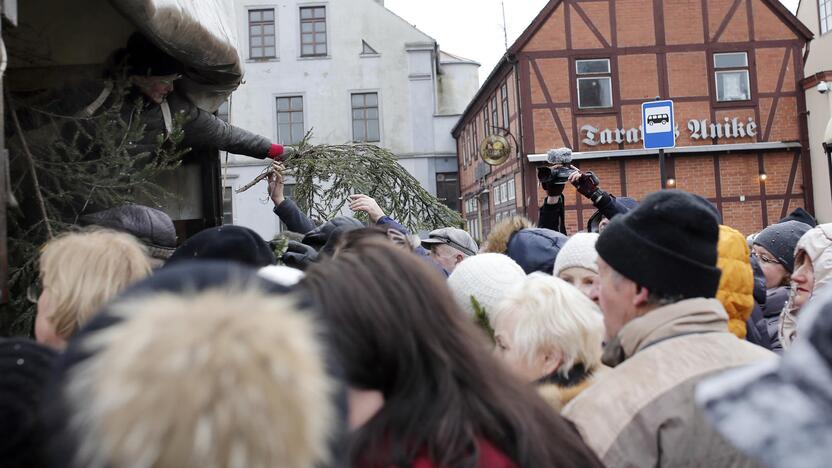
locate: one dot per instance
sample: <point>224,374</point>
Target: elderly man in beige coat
<point>665,332</point>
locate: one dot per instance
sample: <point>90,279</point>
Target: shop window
<point>731,74</point>
<point>504,97</point>
<point>290,120</point>
<point>261,37</point>
<point>313,31</point>
<point>447,189</point>
<point>594,84</point>
<point>365,120</point>
<point>825,12</point>
<point>227,205</point>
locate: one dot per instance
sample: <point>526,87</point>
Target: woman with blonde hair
<point>79,273</point>
<point>550,333</point>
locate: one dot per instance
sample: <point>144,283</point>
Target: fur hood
<point>497,241</point>
<point>559,396</point>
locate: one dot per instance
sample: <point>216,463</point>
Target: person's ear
<point>551,362</point>
<point>640,298</point>
<point>459,258</point>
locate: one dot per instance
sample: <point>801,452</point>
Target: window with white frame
<point>261,35</point>
<point>825,12</point>
<point>731,75</point>
<point>511,189</point>
<point>594,83</point>
<point>290,120</point>
<point>365,119</point>
<point>313,31</point>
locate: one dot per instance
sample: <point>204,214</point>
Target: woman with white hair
<point>550,333</point>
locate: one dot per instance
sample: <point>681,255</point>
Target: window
<point>485,123</point>
<point>447,189</point>
<point>511,190</point>
<point>594,84</point>
<point>825,11</point>
<point>494,116</point>
<point>475,144</point>
<point>261,43</point>
<point>222,112</point>
<point>289,120</point>
<point>227,205</point>
<point>504,97</point>
<point>731,72</point>
<point>365,117</point>
<point>313,31</point>
<point>366,49</point>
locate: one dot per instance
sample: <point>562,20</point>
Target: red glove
<point>275,152</point>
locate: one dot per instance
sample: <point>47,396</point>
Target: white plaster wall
<point>403,74</point>
<point>456,86</point>
<point>819,107</point>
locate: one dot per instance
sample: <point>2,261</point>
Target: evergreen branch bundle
<point>326,175</point>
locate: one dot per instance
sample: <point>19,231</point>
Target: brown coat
<point>642,413</point>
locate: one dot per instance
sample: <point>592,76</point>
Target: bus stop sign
<point>657,122</point>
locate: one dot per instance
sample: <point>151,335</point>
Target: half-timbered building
<point>577,78</point>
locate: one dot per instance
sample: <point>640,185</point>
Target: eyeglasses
<point>763,258</point>
<point>34,291</point>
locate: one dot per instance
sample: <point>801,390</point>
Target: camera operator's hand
<point>586,184</point>
<point>276,184</point>
<point>359,202</point>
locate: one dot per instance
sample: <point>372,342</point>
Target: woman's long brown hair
<point>395,328</point>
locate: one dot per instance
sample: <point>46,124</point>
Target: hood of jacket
<point>535,249</point>
<point>817,243</point>
<point>690,316</point>
<point>736,285</point>
<point>497,241</point>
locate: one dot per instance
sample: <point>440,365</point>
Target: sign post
<point>658,130</point>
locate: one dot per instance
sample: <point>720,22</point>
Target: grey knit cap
<point>781,239</point>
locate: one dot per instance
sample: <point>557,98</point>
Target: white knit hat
<point>487,277</point>
<point>579,251</point>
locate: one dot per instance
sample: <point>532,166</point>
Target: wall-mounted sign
<point>699,130</point>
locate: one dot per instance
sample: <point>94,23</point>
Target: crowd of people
<point>652,341</point>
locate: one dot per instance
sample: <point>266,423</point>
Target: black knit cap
<point>668,245</point>
<point>234,243</point>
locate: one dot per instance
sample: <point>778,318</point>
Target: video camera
<point>553,179</point>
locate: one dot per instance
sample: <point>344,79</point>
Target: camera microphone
<point>559,156</point>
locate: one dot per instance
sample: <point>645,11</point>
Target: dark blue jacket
<point>535,249</point>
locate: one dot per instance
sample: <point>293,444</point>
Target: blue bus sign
<point>657,122</point>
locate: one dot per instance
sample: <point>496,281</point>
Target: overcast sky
<point>474,28</point>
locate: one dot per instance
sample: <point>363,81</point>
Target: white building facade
<point>348,70</point>
<point>817,16</point>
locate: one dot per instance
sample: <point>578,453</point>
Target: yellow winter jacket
<point>736,287</point>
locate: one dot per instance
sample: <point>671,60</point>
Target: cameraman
<point>553,180</point>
